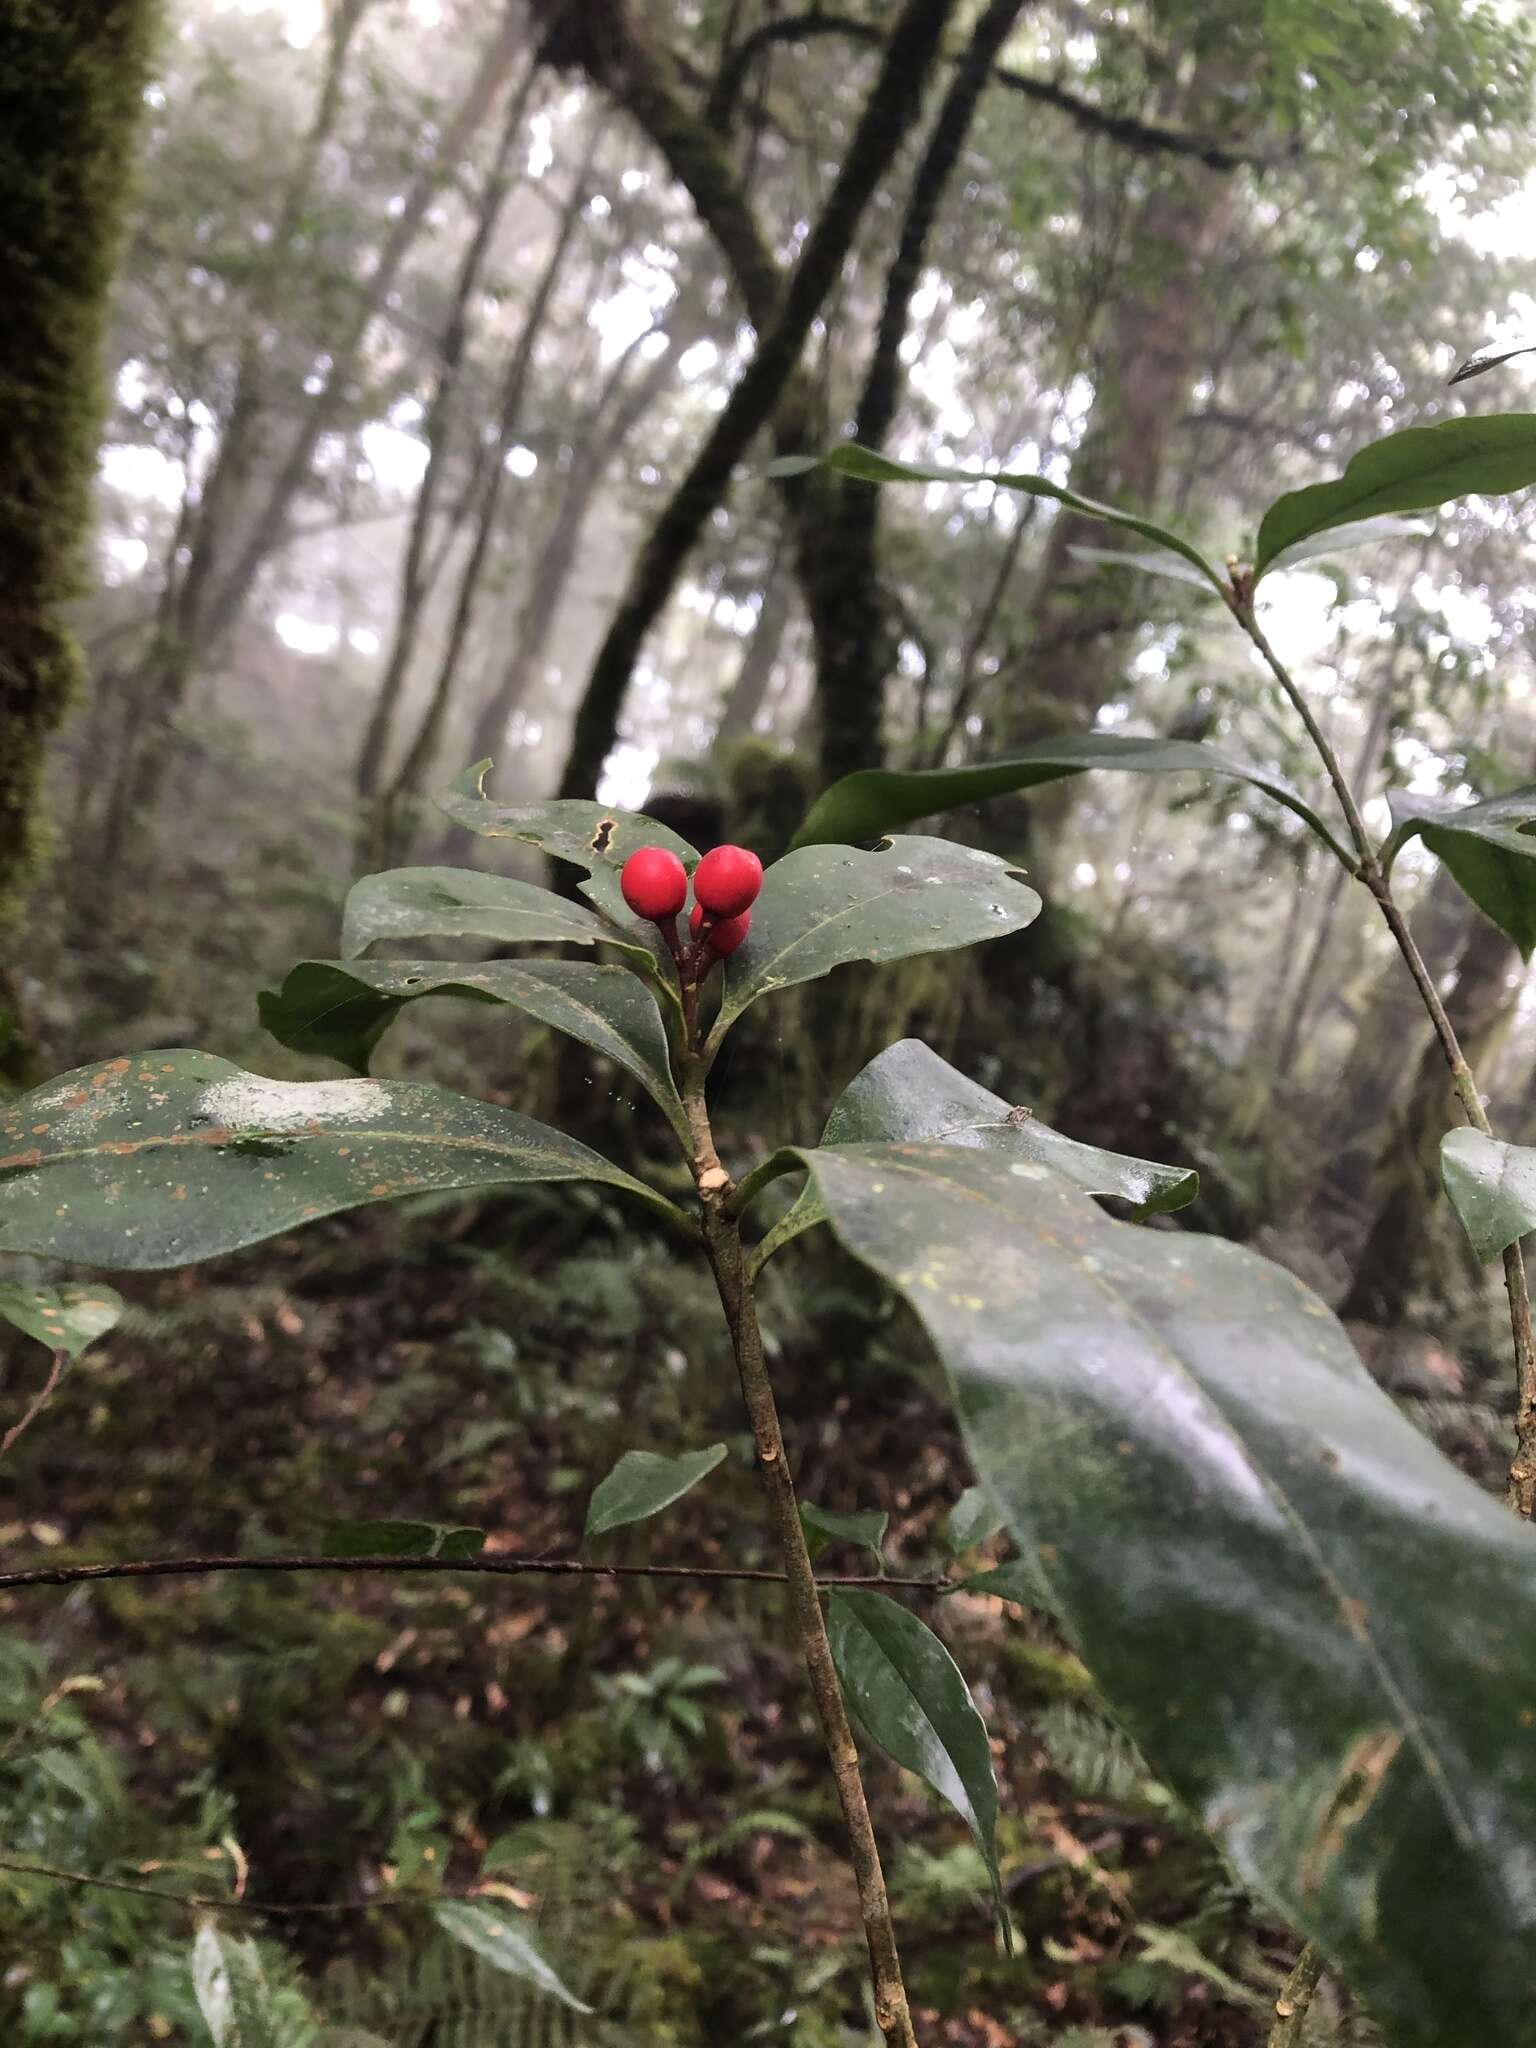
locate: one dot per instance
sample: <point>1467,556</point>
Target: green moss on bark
<point>72,76</point>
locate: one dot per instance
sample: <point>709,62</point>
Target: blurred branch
<point>44,1396</point>
<point>1147,138</point>
<point>498,1567</point>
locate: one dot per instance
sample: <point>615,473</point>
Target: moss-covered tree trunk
<point>72,75</point>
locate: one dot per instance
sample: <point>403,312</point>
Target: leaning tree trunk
<point>1404,1251</point>
<point>72,75</point>
<point>888,114</point>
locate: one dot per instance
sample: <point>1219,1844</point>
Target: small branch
<point>496,1567</point>
<point>1520,1489</point>
<point>1295,2000</point>
<point>205,1902</point>
<point>49,1389</point>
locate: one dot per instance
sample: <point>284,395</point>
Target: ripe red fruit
<point>725,934</point>
<point>655,882</point>
<point>727,879</point>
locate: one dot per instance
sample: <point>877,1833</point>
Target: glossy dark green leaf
<point>587,835</point>
<point>1488,848</point>
<point>642,1483</point>
<point>1318,1631</point>
<point>64,1318</point>
<point>865,1526</point>
<point>1492,1188</point>
<point>173,1157</point>
<point>827,905</point>
<point>404,1539</point>
<point>341,1009</point>
<point>905,1692</point>
<point>1411,471</point>
<point>908,1092</point>
<point>974,1517</point>
<point>874,800</point>
<point>850,459</point>
<point>504,1939</point>
<point>458,903</point>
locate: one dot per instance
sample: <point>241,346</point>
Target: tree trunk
<point>413,768</point>
<point>749,688</point>
<point>1403,1250</point>
<point>839,552</point>
<point>224,600</point>
<point>888,114</point>
<point>416,570</point>
<point>72,76</point>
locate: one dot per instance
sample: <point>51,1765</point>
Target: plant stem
<point>39,1402</point>
<point>1295,2000</point>
<point>727,1257</point>
<point>1520,1489</point>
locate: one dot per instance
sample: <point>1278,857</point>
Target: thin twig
<point>49,1389</point>
<point>500,1567</point>
<point>207,1902</point>
<point>1520,1489</point>
<point>1295,1999</point>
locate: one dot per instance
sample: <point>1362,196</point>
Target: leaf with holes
<point>1318,1631</point>
<point>827,905</point>
<point>1489,849</point>
<point>342,1008</point>
<point>871,467</point>
<point>504,1939</point>
<point>173,1157</point>
<point>585,834</point>
<point>905,1692</point>
<point>64,1318</point>
<point>1492,1188</point>
<point>1410,471</point>
<point>874,800</point>
<point>642,1483</point>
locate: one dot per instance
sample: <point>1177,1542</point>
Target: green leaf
<point>865,1526</point>
<point>231,1991</point>
<point>1358,533</point>
<point>849,459</point>
<point>503,1939</point>
<point>178,1156</point>
<point>1320,1634</point>
<point>405,1539</point>
<point>1155,561</point>
<point>458,903</point>
<point>905,1692</point>
<point>588,835</point>
<point>1020,1580</point>
<point>64,1318</point>
<point>876,800</point>
<point>826,905</point>
<point>1411,471</point>
<point>1492,1188</point>
<point>974,1517</point>
<point>1488,849</point>
<point>643,1483</point>
<point>908,1092</point>
<point>341,1009</point>
<point>1479,365</point>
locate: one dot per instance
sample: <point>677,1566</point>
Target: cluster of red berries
<point>725,886</point>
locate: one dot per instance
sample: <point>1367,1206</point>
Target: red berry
<point>725,933</point>
<point>726,880</point>
<point>655,882</point>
